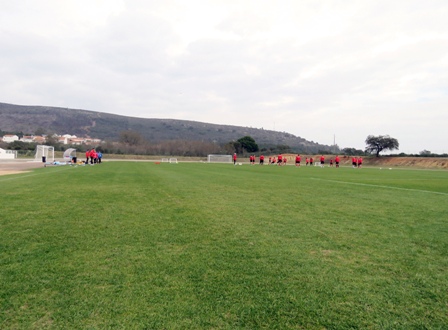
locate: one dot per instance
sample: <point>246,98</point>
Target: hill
<point>29,119</point>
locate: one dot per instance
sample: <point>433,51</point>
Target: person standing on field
<point>322,161</point>
<point>87,156</point>
<point>261,159</point>
<point>279,159</point>
<point>354,162</point>
<point>92,156</point>
<point>234,158</point>
<point>298,160</point>
<point>359,162</point>
<point>311,161</point>
<point>100,156</point>
<point>307,161</point>
<point>337,159</point>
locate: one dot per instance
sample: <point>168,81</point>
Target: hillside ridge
<point>28,119</point>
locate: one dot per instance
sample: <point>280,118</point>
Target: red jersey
<point>322,158</point>
<point>297,158</point>
<point>337,159</point>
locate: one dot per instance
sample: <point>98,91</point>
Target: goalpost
<point>44,154</point>
<point>173,160</point>
<point>219,158</point>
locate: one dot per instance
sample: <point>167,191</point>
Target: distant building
<point>27,139</point>
<point>39,139</point>
<point>8,138</point>
<point>76,141</point>
<point>7,154</point>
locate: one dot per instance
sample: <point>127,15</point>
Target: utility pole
<point>334,143</point>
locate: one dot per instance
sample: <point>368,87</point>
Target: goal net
<point>173,160</point>
<point>44,154</point>
<point>219,158</point>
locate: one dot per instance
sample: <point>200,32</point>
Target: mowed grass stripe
<point>140,245</point>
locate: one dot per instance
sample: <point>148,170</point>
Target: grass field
<point>135,245</point>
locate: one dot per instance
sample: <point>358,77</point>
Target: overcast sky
<point>318,69</point>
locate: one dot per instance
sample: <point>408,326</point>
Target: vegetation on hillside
<point>29,119</point>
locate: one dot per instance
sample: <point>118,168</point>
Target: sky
<point>325,70</point>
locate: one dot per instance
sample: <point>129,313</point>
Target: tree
<point>425,153</point>
<point>352,151</point>
<point>131,138</point>
<point>39,131</point>
<point>248,144</point>
<point>376,144</point>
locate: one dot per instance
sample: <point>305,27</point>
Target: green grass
<point>135,245</point>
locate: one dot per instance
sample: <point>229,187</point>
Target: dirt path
<point>17,166</point>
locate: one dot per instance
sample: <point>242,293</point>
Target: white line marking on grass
<point>381,186</point>
<point>26,176</point>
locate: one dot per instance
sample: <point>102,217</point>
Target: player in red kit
<point>298,160</point>
<point>322,161</point>
<point>280,159</point>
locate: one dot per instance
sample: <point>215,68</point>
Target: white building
<point>7,154</point>
<point>8,138</point>
<point>27,139</point>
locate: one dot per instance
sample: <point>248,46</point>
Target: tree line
<point>132,142</point>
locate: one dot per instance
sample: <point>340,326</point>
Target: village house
<point>27,139</point>
<point>63,140</point>
<point>76,141</point>
<point>8,138</point>
<point>39,139</point>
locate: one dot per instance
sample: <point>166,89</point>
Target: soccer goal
<point>219,158</point>
<point>44,154</point>
<point>173,160</point>
<point>164,160</point>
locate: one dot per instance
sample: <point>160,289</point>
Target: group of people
<point>281,160</point>
<point>357,162</point>
<point>94,156</point>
